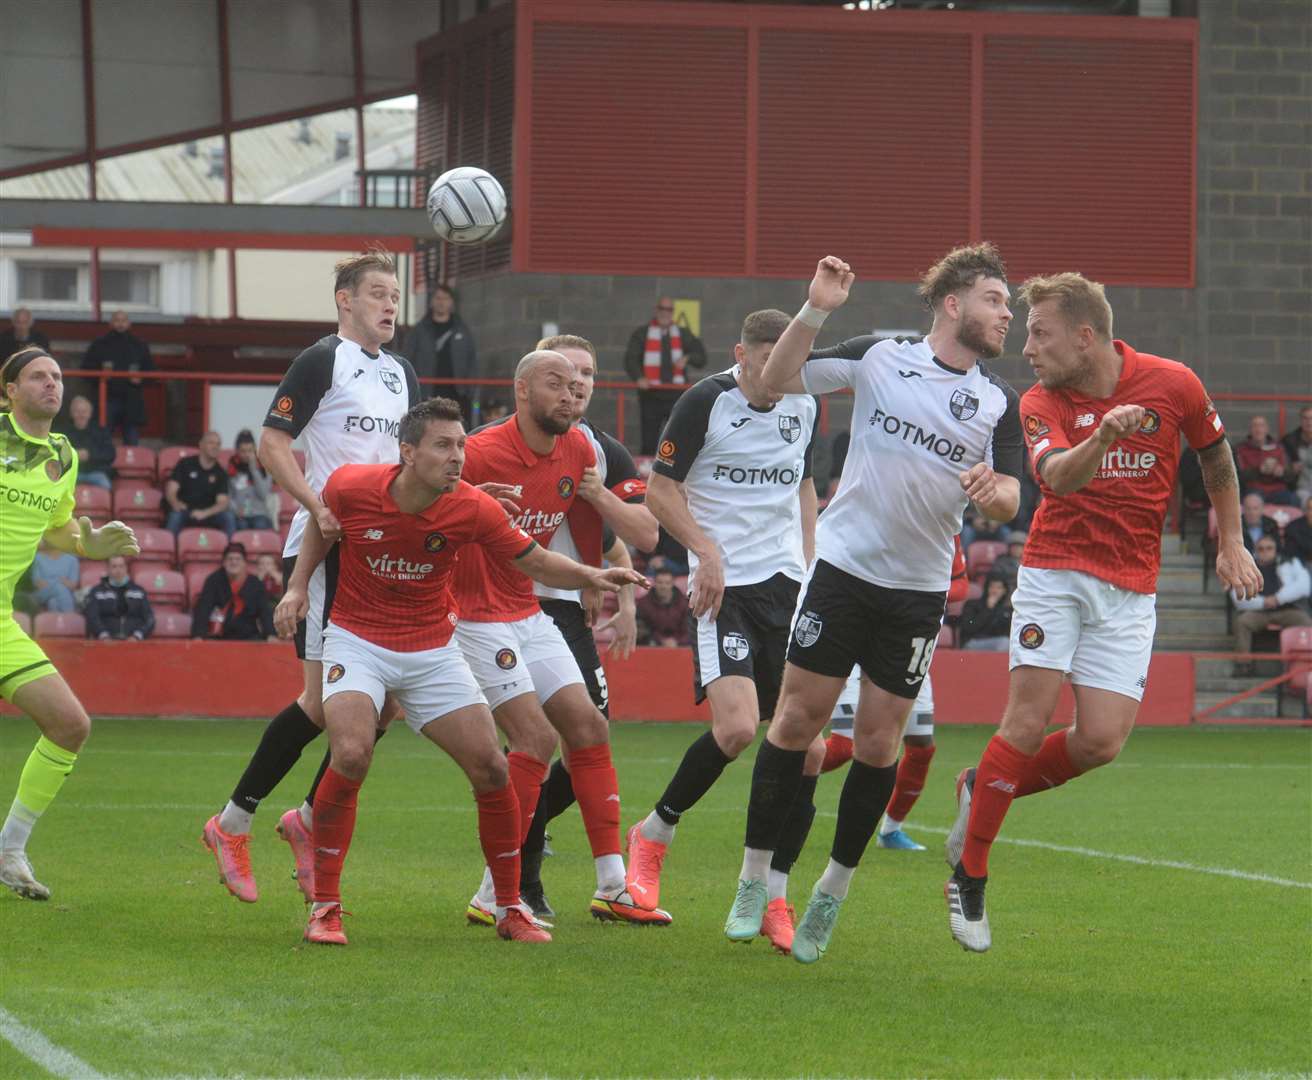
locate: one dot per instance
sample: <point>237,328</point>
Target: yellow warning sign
<point>688,314</point>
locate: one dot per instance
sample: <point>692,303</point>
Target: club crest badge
<point>391,380</point>
<point>807,630</point>
<point>963,404</point>
<point>434,542</point>
<point>735,646</point>
<point>506,659</point>
<point>1031,636</point>
<point>790,427</point>
<point>335,673</point>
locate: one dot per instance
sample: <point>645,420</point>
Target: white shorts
<point>522,657</point>
<point>1069,621</point>
<point>428,684</point>
<point>920,721</point>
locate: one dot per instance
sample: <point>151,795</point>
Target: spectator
<point>95,448</point>
<point>234,604</point>
<point>1007,566</point>
<point>197,491</point>
<point>493,409</point>
<point>979,527</point>
<point>121,350</point>
<point>1282,602</point>
<point>660,352</point>
<point>117,609</point>
<point>1298,449</point>
<point>249,485</point>
<point>440,346</point>
<point>1298,535</point>
<point>54,579</point>
<point>21,334</point>
<point>986,621</point>
<point>267,570</point>
<point>663,613</point>
<point>1255,523</point>
<point>1263,466</point>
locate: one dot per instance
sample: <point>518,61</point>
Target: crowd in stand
<point>224,516</point>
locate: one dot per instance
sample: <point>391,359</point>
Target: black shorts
<point>568,617</point>
<point>748,638</point>
<point>843,620</point>
<point>322,589</point>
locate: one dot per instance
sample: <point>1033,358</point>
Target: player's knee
<point>734,733</point>
<point>70,728</point>
<point>815,757</point>
<point>490,772</point>
<point>877,746</point>
<point>1101,750</point>
<point>793,727</point>
<point>351,757</point>
<point>1023,728</point>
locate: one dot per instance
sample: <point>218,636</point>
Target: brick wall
<point>1247,326</point>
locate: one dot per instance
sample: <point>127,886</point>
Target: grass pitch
<point>142,965</point>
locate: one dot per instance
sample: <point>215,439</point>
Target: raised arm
<point>828,292</point>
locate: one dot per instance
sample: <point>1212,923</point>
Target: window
<point>134,285</point>
<point>41,283</point>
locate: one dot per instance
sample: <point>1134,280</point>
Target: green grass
<point>142,965</point>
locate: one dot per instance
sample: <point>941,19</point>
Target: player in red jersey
<point>517,654</point>
<point>390,632</point>
<point>1103,428</point>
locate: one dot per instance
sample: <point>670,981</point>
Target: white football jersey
<point>741,468</point>
<point>348,404</point>
<point>917,424</point>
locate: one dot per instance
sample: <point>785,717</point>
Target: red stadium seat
<point>604,636</point>
<point>134,463</point>
<point>980,557</point>
<point>287,507</point>
<point>24,621</point>
<point>135,502</point>
<point>59,624</point>
<point>973,591</point>
<point>170,456</point>
<point>1282,515</point>
<point>955,607</point>
<point>91,573</point>
<point>93,501</point>
<point>148,566</point>
<point>947,638</point>
<point>172,624</point>
<point>157,544</point>
<point>200,545</point>
<point>196,573</point>
<point>258,542</point>
<point>1296,651</point>
<point>299,455</point>
<point>162,586</point>
<point>225,456</point>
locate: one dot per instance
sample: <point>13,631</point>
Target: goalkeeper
<point>38,472</point>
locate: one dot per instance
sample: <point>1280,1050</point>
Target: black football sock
<point>323,767</point>
<point>701,766</point>
<point>775,779</point>
<point>557,796</point>
<point>797,827</point>
<point>866,792</point>
<point>288,733</point>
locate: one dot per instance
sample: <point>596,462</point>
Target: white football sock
<point>17,828</point>
<point>836,879</point>
<point>307,815</point>
<point>234,820</point>
<point>778,885</point>
<point>889,825</point>
<point>487,893</point>
<point>657,829</point>
<point>756,864</point>
<point>610,873</point>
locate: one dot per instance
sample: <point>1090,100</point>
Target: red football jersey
<point>1112,527</point>
<point>394,576</point>
<point>489,589</point>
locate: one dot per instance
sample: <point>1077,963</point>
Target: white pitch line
<point>36,1047</point>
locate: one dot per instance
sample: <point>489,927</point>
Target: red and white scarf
<point>651,356</point>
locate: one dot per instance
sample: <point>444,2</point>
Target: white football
<point>466,205</point>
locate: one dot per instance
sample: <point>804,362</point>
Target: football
<point>466,205</point>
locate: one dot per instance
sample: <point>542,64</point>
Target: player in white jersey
<point>344,396</point>
<point>732,483</point>
<point>932,429</point>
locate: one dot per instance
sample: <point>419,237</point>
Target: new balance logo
<point>508,854</point>
<point>1003,786</point>
<point>909,374</point>
<point>373,534</point>
<point>327,851</point>
<point>612,798</point>
<point>739,423</point>
<point>1084,420</point>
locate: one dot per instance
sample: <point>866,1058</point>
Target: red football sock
<point>996,781</point>
<point>911,773</point>
<point>500,831</point>
<point>1050,767</point>
<point>526,776</point>
<point>598,792</point>
<point>838,752</point>
<point>334,822</point>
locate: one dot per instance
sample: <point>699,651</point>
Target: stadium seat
<point>172,624</point>
<point>93,501</point>
<point>169,457</point>
<point>134,502</point>
<point>1282,515</point>
<point>134,463</point>
<point>955,607</point>
<point>200,545</point>
<point>258,542</point>
<point>196,573</point>
<point>59,624</point>
<point>24,621</point>
<point>973,591</point>
<point>166,587</point>
<point>299,455</point>
<point>604,636</point>
<point>91,573</point>
<point>287,507</point>
<point>1296,651</point>
<point>157,544</point>
<point>980,557</point>
<point>947,638</point>
<point>149,566</point>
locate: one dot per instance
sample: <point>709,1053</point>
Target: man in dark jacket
<point>986,621</point>
<point>21,334</point>
<point>660,351</point>
<point>233,604</point>
<point>121,350</point>
<point>440,346</point>
<point>116,609</point>
<point>95,448</point>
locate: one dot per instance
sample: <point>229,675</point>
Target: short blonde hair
<point>1081,302</point>
<point>959,269</point>
<point>568,341</point>
<point>348,273</point>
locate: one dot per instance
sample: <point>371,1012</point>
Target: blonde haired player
<point>38,472</point>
